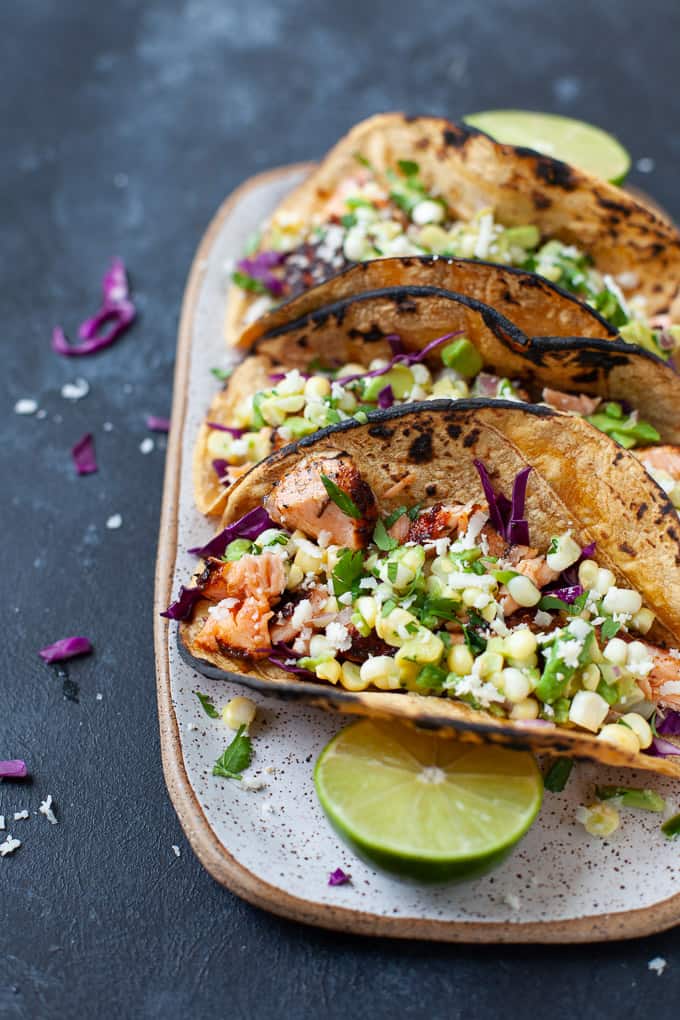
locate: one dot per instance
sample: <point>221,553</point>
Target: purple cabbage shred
<point>259,268</point>
<point>385,398</point>
<point>568,594</point>
<point>401,359</point>
<point>507,516</point>
<point>221,467</point>
<point>236,433</point>
<point>116,308</point>
<point>338,877</point>
<point>15,768</point>
<point>249,526</point>
<point>84,456</point>
<point>156,424</point>
<point>183,604</point>
<point>65,648</point>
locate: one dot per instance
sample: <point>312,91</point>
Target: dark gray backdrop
<point>124,125</point>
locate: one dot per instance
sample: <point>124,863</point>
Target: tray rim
<point>213,855</point>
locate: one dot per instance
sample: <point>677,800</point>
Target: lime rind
<point>584,145</point>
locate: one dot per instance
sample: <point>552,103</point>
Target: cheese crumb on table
<point>19,815</point>
<point>176,850</point>
<point>658,965</point>
<point>46,810</point>
<point>146,445</point>
<point>9,846</point>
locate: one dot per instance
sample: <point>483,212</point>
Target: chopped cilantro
<point>557,775</point>
<point>347,570</point>
<point>358,203</point>
<point>408,167</point>
<point>362,159</point>
<point>342,500</point>
<point>208,706</point>
<point>248,282</point>
<point>474,641</point>
<point>382,539</point>
<point>671,827</point>
<point>609,629</point>
<point>222,373</point>
<point>236,757</point>
<point>348,220</point>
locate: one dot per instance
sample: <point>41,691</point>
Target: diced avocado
<point>463,357</point>
<point>523,237</point>
<point>400,378</point>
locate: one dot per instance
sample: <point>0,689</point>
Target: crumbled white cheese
<point>114,522</point>
<point>253,785</point>
<point>46,810</point>
<point>512,900</point>
<point>346,598</point>
<point>99,697</point>
<point>259,307</point>
<point>441,546</point>
<point>670,687</point>
<point>338,636</point>
<point>222,611</point>
<point>475,525</point>
<point>645,164</point>
<point>26,406</point>
<point>324,539</point>
<point>75,390</point>
<point>302,614</point>
<point>19,815</point>
<point>484,236</point>
<point>658,965</point>
<point>372,582</point>
<point>482,691</point>
<point>579,628</point>
<point>9,846</point>
<point>146,445</point>
<point>569,652</point>
<point>176,850</point>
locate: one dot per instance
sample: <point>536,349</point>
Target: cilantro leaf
<point>362,160</point>
<point>343,502</point>
<point>383,541</point>
<point>474,641</point>
<point>347,570</point>
<point>408,167</point>
<point>248,282</point>
<point>394,516</point>
<point>236,757</point>
<point>609,629</point>
<point>222,373</point>
<point>208,706</point>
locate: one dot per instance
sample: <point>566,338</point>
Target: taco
<point>397,186</point>
<point>404,344</point>
<point>483,567</point>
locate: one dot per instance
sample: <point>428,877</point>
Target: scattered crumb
<point>108,426</point>
<point>176,850</point>
<point>658,964</point>
<point>146,445</point>
<point>57,419</point>
<point>253,785</point>
<point>121,180</point>
<point>267,809</point>
<point>270,770</point>
<point>512,900</point>
<point>114,522</point>
<point>42,413</point>
<point>26,406</point>
<point>75,390</point>
<point>192,727</point>
<point>9,846</point>
<point>20,815</point>
<point>2,823</point>
<point>46,810</point>
<point>99,697</point>
<point>645,165</point>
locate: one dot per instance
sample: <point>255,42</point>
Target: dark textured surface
<point>124,125</point>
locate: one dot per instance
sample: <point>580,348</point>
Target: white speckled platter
<point>274,847</point>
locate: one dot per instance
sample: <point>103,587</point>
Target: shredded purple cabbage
<point>290,668</point>
<point>506,516</point>
<point>660,748</point>
<point>183,604</point>
<point>15,768</point>
<point>278,376</point>
<point>116,308</point>
<point>65,648</point>
<point>669,726</point>
<point>569,577</point>
<point>236,433</point>
<point>250,526</point>
<point>401,359</point>
<point>84,456</point>
<point>385,397</point>
<point>338,877</point>
<point>396,343</point>
<point>221,468</point>
<point>568,594</point>
<point>156,424</point>
<point>259,267</point>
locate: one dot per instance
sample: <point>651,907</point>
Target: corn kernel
<point>568,552</point>
<point>460,660</point>
<point>321,648</point>
<point>490,662</point>
<point>598,819</point>
<point>351,677</point>
<point>523,591</point>
<point>622,600</point>
<point>382,671</point>
<point>642,621</point>
<point>425,647</point>
<point>640,728</point>
<point>389,627</point>
<point>515,684</point>
<point>589,710</point>
<point>620,737</point>
<point>527,709</point>
<point>316,387</point>
<point>330,670</point>
<point>367,607</point>
<point>239,711</point>
<point>616,651</point>
<point>590,677</point>
<point>587,573</point>
<point>521,644</point>
<point>488,613</point>
<point>604,581</point>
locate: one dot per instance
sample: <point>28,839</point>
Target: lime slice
<point>426,807</point>
<point>573,141</point>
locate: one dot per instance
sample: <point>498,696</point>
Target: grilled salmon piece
<point>661,458</point>
<point>244,591</point>
<point>580,404</point>
<point>300,501</point>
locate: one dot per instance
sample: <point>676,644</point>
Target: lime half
<point>426,807</point>
<point>573,141</point>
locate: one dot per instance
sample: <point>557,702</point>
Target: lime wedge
<point>426,807</point>
<point>573,141</point>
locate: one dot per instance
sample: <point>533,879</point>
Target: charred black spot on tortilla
<point>453,430</point>
<point>456,136</point>
<point>302,342</point>
<point>420,450</point>
<point>641,511</point>
<point>554,172</point>
<point>540,200</point>
<point>509,299</point>
<point>380,432</point>
<point>619,456</point>
<point>624,547</point>
<point>406,303</point>
<point>431,490</point>
<point>608,203</point>
<point>371,335</point>
<point>657,248</point>
<point>471,438</point>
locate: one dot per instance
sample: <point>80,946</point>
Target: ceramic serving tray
<point>272,846</point>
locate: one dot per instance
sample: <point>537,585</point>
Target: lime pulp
<point>572,141</point>
<point>428,808</point>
